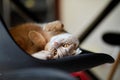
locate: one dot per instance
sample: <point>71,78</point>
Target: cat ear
<point>54,26</point>
<point>37,38</point>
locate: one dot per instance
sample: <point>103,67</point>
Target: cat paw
<point>44,55</point>
<point>54,26</point>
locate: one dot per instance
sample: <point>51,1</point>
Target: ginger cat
<point>50,41</point>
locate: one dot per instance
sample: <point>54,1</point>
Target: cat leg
<point>54,26</point>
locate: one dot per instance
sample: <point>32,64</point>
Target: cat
<point>50,41</point>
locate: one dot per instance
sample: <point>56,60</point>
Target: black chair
<point>12,57</point>
<point>36,74</point>
<point>113,38</point>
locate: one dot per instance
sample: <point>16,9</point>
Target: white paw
<point>44,55</point>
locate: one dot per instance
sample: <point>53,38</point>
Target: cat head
<point>63,45</point>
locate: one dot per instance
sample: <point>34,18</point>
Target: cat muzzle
<point>62,52</point>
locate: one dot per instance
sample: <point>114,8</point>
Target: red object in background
<point>81,75</point>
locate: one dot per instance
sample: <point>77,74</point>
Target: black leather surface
<point>12,57</point>
<point>36,74</point>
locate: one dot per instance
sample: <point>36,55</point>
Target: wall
<point>77,16</point>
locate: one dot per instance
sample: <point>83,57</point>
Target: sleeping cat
<point>50,41</point>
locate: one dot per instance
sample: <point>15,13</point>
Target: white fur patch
<point>61,38</point>
<point>44,55</point>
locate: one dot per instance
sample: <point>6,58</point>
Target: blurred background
<point>89,20</point>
